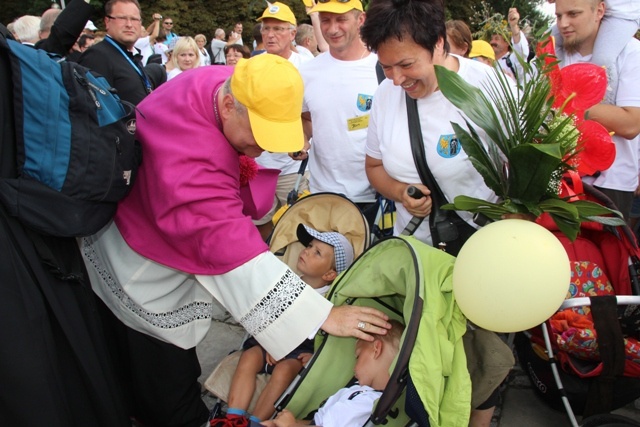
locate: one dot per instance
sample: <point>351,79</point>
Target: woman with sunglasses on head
<point>410,39</point>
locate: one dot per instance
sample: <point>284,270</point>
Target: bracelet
<point>586,115</point>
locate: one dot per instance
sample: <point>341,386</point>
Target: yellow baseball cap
<point>279,11</point>
<point>271,88</point>
<point>336,6</point>
<point>481,48</point>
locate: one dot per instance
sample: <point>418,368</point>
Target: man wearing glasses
<point>167,27</point>
<point>278,33</point>
<point>116,58</point>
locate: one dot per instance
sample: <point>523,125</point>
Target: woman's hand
<point>358,322</point>
<point>417,207</point>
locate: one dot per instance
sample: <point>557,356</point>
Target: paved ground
<point>520,406</point>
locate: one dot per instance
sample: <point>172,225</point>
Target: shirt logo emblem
<point>364,102</point>
<point>448,146</point>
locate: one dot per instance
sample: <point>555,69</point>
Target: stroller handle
<point>415,222</point>
<point>586,301</point>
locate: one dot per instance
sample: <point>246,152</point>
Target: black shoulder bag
<point>448,230</point>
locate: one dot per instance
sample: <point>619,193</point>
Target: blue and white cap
<point>342,249</point>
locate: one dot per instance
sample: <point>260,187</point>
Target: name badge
<point>356,123</point>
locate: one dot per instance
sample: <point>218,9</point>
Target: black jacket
<point>67,28</point>
<point>109,61</point>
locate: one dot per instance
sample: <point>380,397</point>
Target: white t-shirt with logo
<point>388,140</point>
<point>339,96</point>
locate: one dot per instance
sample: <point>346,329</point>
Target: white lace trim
<point>274,304</point>
<point>197,310</point>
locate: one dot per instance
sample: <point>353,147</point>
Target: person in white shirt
<point>216,47</point>
<point>339,89</point>
<point>619,24</point>
<point>579,23</point>
<point>507,53</point>
<point>185,56</point>
<point>278,33</point>
<point>145,43</point>
<point>306,43</point>
<point>201,41</point>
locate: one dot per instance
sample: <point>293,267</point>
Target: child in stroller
<point>325,256</point>
<point>352,406</point>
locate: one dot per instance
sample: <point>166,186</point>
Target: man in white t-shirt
<point>236,34</point>
<point>278,33</point>
<point>146,42</point>
<point>507,53</point>
<point>579,23</point>
<point>339,87</point>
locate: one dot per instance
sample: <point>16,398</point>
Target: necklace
<point>366,51</point>
<point>215,108</point>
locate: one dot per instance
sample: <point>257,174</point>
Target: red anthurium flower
<point>596,149</point>
<point>547,52</point>
<point>583,85</point>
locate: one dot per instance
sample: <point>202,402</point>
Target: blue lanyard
<point>135,67</point>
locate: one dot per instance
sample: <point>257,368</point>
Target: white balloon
<point>511,275</point>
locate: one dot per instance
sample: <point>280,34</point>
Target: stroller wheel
<point>609,420</point>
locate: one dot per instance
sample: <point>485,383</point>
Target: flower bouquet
<point>535,135</point>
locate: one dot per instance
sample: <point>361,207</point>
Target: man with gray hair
<point>278,33</point>
<point>27,29</point>
<point>216,48</point>
<point>48,18</point>
<point>306,42</point>
<point>59,30</point>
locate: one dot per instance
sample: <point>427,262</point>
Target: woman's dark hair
<point>238,48</point>
<point>422,20</point>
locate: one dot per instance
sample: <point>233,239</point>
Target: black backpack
<point>75,156</point>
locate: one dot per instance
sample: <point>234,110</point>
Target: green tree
<point>204,16</point>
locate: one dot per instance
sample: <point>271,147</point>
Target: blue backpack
<point>76,158</point>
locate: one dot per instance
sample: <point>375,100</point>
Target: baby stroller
<point>411,282</point>
<point>586,358</point>
<point>321,211</point>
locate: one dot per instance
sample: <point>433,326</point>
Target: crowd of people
<point>184,236</point>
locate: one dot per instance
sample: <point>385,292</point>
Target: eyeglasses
<point>168,23</point>
<point>337,1</point>
<point>125,19</point>
<point>276,30</point>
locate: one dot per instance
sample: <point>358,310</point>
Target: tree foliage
<point>204,16</point>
